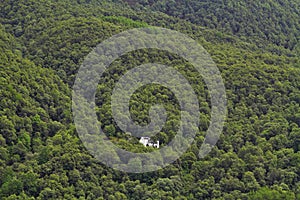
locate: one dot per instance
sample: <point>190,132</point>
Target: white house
<point>146,141</point>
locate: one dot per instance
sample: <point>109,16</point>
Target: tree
<point>271,194</point>
<point>12,186</point>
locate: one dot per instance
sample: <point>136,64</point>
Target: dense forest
<point>255,46</point>
<point>274,21</point>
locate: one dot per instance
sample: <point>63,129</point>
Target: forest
<point>261,22</point>
<point>256,47</point>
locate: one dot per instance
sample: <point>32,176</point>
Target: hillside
<point>43,44</point>
<point>260,22</point>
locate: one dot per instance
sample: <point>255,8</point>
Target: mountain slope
<point>42,157</point>
<point>275,21</point>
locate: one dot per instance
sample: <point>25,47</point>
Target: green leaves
<point>41,156</point>
<point>12,186</point>
<point>271,194</point>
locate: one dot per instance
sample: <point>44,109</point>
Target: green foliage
<point>13,186</point>
<point>256,21</point>
<point>42,44</point>
<point>123,21</point>
<point>271,194</point>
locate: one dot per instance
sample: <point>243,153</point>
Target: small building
<point>147,142</point>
